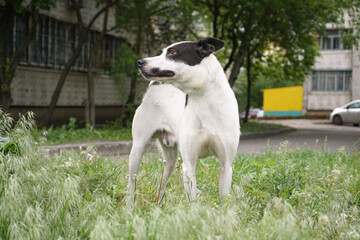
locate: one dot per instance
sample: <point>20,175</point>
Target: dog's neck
<point>213,82</point>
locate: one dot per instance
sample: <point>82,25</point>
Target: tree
<point>90,102</point>
<point>290,25</point>
<point>10,60</point>
<point>254,26</point>
<point>83,32</point>
<point>269,71</point>
<point>148,23</point>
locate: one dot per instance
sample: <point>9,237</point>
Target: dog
<point>193,110</point>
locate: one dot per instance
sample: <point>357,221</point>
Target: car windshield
<point>354,105</point>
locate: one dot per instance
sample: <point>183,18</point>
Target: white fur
<point>208,125</point>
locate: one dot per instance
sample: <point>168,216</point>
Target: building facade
<point>335,79</point>
<point>41,64</point>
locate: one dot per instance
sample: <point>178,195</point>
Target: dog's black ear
<point>206,46</point>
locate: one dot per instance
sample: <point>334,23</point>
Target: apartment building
<point>336,76</point>
<point>42,63</point>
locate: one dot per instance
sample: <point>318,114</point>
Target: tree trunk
<point>248,68</point>
<point>6,26</point>
<point>238,63</point>
<point>8,64</point>
<point>129,104</point>
<point>90,108</point>
<point>82,33</point>
<point>64,73</point>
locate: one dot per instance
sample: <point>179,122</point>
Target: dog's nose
<point>141,62</point>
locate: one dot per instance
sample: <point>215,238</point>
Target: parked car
<point>349,113</point>
<point>253,113</point>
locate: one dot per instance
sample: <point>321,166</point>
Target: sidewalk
<point>118,148</point>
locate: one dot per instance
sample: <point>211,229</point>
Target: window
<point>329,81</point>
<point>354,105</point>
<point>21,25</point>
<point>56,42</point>
<point>331,40</point>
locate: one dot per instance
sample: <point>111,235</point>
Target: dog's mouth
<point>157,73</point>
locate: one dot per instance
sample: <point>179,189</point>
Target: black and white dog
<point>195,111</point>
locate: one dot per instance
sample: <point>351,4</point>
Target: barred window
<point>56,42</point>
<point>21,24</point>
<point>332,40</point>
<point>331,81</point>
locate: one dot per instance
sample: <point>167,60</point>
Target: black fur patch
<point>192,53</point>
<point>185,53</point>
<point>186,99</point>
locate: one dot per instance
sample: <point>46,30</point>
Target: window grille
<point>56,42</point>
<point>332,40</point>
<point>330,81</point>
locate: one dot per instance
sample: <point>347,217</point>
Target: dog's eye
<point>171,52</point>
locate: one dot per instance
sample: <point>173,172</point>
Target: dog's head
<point>180,62</point>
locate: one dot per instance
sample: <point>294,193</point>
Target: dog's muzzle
<point>141,62</point>
<point>153,72</point>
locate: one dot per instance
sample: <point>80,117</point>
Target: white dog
<point>201,120</point>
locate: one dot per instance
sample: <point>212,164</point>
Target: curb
<point>105,148</point>
<point>118,148</point>
<point>266,134</point>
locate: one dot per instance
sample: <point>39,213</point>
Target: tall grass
<point>282,194</point>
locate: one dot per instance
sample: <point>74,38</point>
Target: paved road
<point>310,134</point>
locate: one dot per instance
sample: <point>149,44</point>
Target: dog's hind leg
<point>170,154</point>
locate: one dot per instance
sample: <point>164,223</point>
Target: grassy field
<point>282,194</point>
<point>70,133</point>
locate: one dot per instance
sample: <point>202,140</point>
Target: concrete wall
<point>62,11</point>
<point>320,101</point>
<point>356,76</point>
<point>334,60</point>
<point>34,87</point>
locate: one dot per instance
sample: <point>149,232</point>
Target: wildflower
<point>335,172</point>
<point>354,234</point>
<point>323,219</point>
<point>344,217</point>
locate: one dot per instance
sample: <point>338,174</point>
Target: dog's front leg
<point>225,177</point>
<point>189,166</point>
<point>136,154</point>
<point>190,153</point>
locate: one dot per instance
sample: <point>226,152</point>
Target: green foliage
<point>9,147</point>
<point>15,137</point>
<point>260,25</point>
<point>124,67</point>
<point>271,71</point>
<point>115,132</point>
<point>154,22</point>
<point>69,133</point>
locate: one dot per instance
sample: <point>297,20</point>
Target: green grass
<point>282,194</point>
<point>70,133</point>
